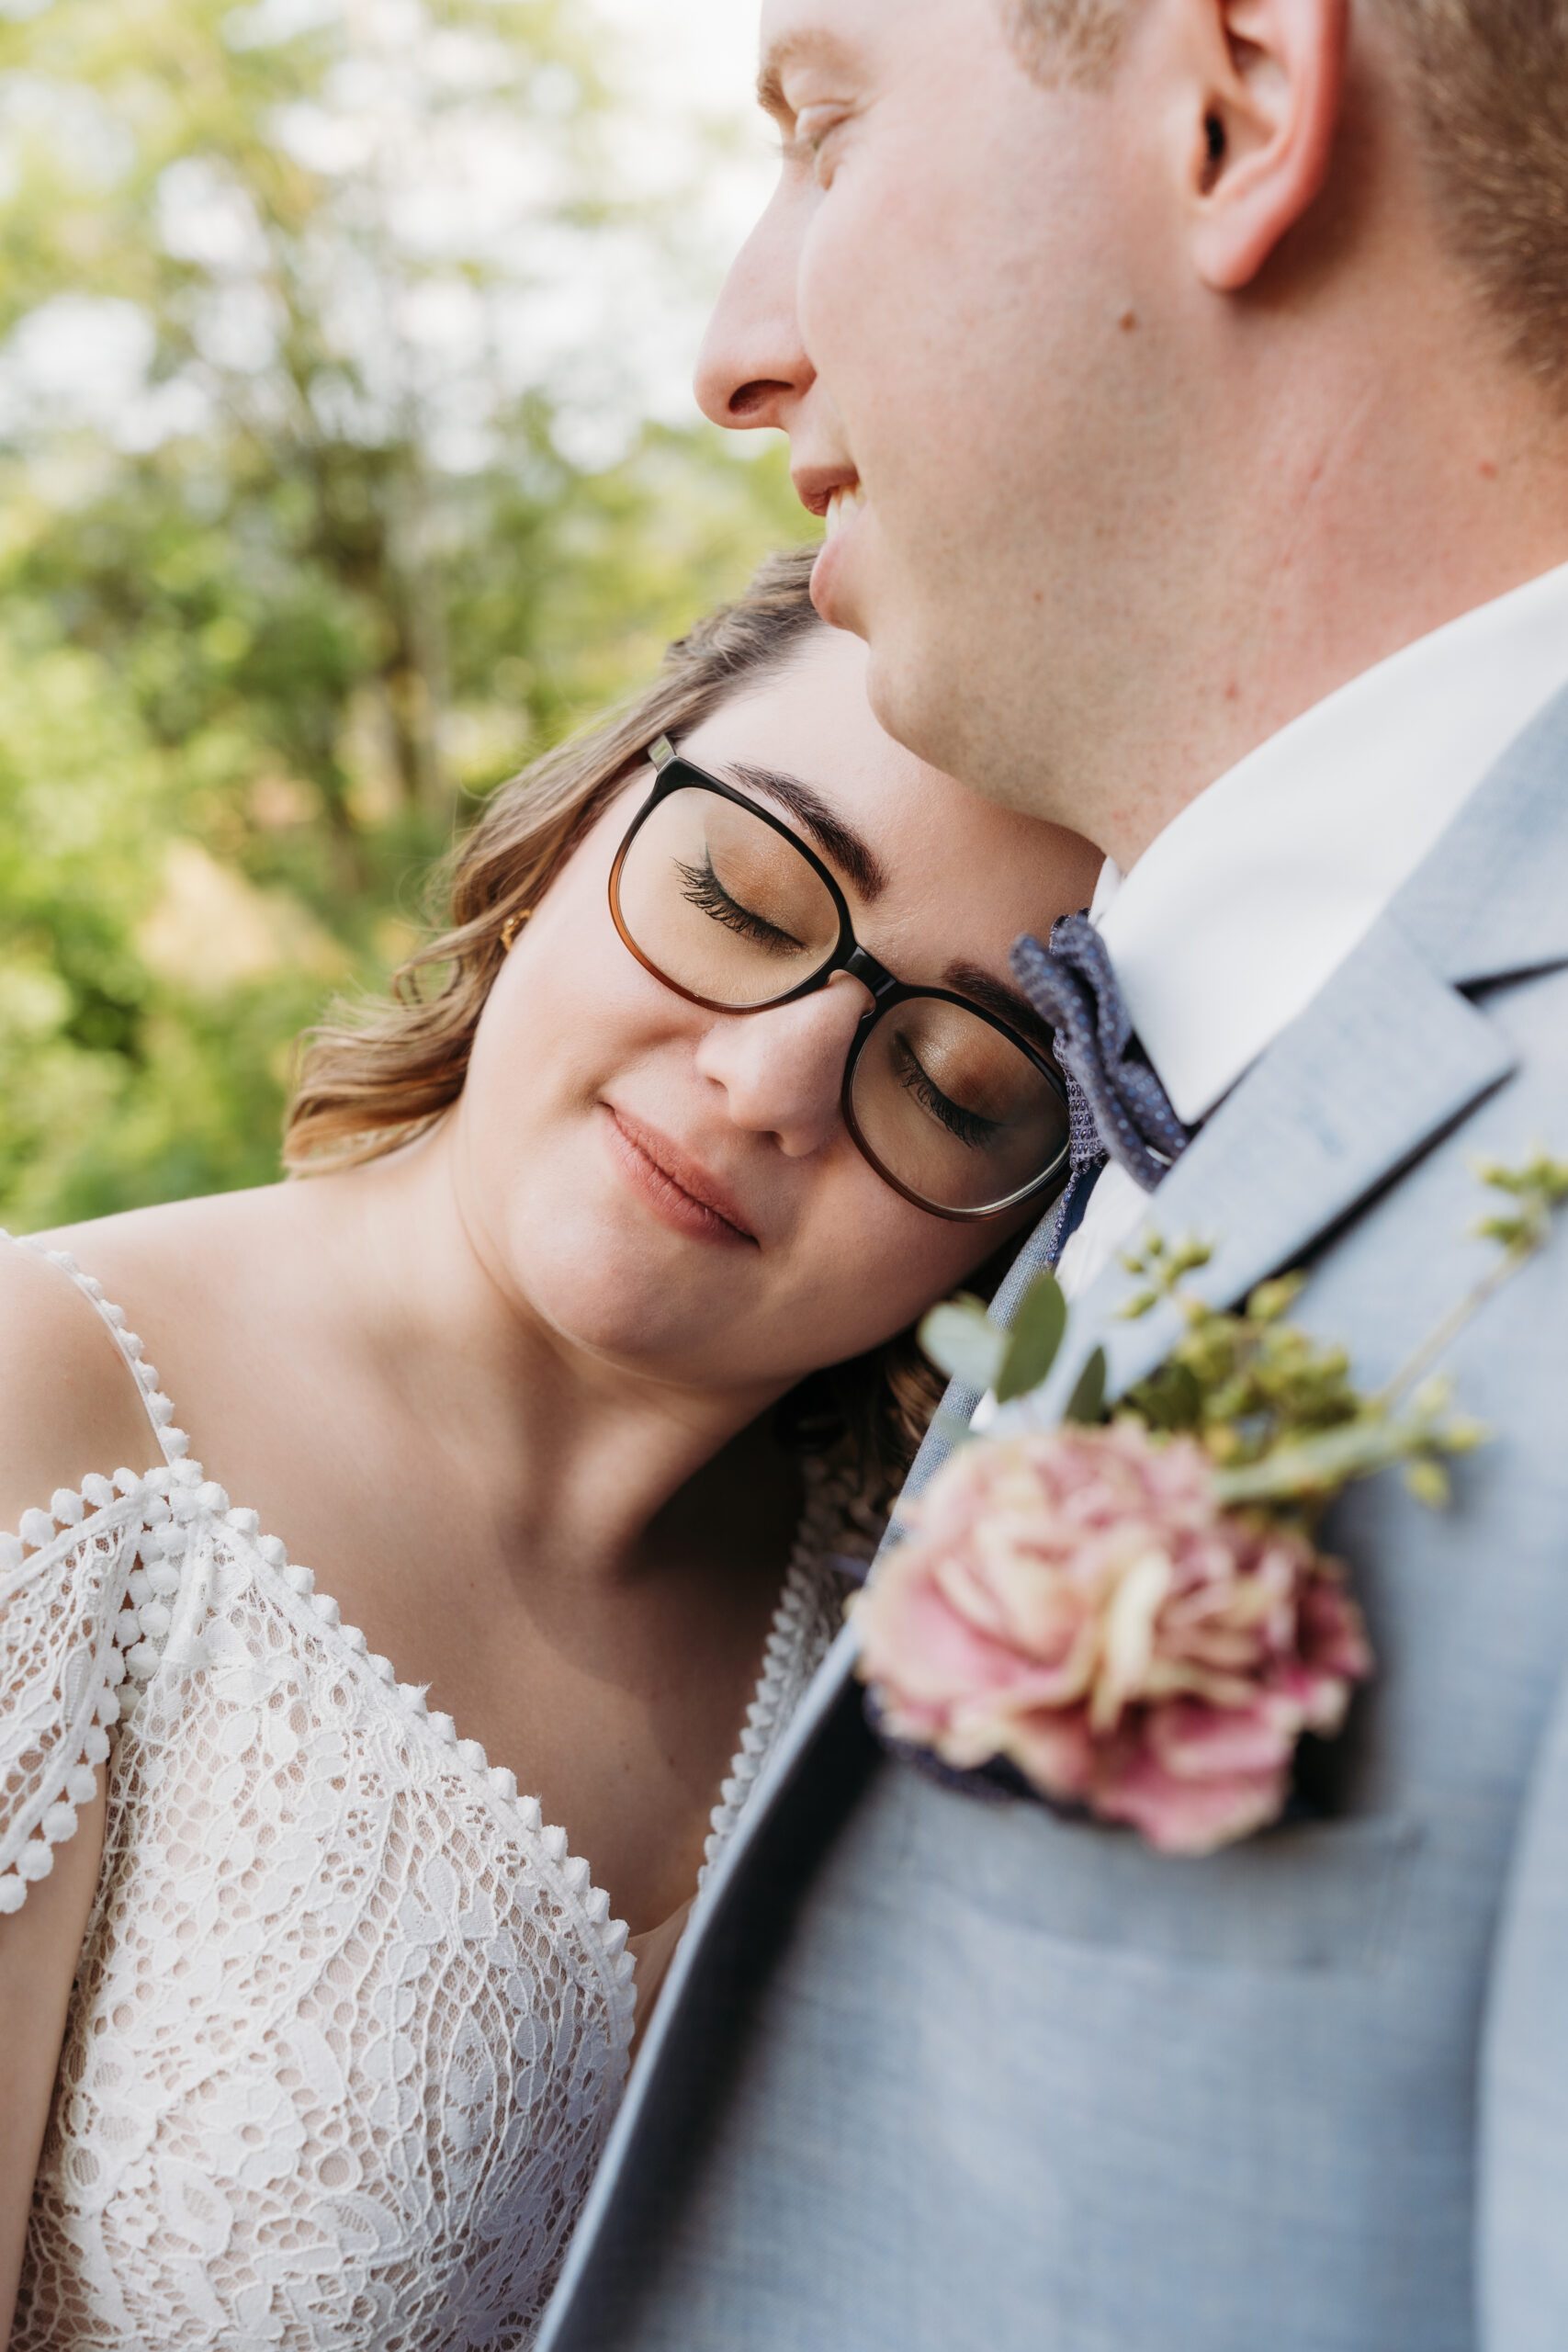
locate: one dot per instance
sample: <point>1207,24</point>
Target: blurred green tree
<point>299,547</point>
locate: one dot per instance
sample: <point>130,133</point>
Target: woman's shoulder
<point>118,1328</point>
<point>73,1420</point>
<point>73,1370</point>
<point>70,1403</point>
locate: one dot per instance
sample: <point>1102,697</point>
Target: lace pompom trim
<point>176,1445</point>
<point>127,1642</point>
<point>183,1492</point>
<point>569,1872</point>
<point>787,1661</point>
<point>141,1614</point>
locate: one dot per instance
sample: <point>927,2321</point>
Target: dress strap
<point>160,1411</point>
<point>836,1524</point>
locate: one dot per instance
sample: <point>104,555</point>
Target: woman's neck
<point>589,1469</point>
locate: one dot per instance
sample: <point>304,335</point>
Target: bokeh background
<point>347,458</point>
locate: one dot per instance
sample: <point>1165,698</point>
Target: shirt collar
<point>1237,915</point>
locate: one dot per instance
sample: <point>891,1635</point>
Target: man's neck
<point>1366,544</point>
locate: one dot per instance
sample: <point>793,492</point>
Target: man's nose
<point>752,369</point>
<point>783,1070</point>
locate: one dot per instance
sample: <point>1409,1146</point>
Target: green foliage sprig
<point>1277,1411</point>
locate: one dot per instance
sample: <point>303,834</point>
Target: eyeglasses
<point>719,899</point>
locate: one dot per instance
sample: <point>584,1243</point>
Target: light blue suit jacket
<point>931,2074</point>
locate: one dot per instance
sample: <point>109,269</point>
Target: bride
<point>578,1351</point>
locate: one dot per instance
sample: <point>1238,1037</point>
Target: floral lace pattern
<point>351,2023</point>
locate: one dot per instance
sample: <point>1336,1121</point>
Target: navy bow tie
<point>1117,1108</point>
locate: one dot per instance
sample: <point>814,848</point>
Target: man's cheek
<point>845,271</point>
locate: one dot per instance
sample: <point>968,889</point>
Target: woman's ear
<point>1262,83</point>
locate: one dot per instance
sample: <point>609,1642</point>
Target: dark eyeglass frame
<point>677,773</point>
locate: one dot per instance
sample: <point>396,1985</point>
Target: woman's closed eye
<point>701,887</point>
<point>970,1127</point>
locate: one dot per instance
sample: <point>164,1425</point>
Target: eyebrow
<point>833,837</point>
<point>820,45</point>
<point>856,859</point>
<point>995,996</point>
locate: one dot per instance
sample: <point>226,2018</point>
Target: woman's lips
<point>680,1192</point>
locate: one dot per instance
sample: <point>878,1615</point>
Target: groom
<point>1187,385</point>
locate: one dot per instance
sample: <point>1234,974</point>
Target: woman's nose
<point>752,369</point>
<point>783,1070</point>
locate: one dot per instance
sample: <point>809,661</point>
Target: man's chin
<point>833,590</point>
<point>910,717</point>
<point>902,686</point>
<point>913,699</point>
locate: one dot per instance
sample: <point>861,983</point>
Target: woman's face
<point>594,1090</point>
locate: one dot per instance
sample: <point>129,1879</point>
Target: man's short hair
<point>1489,81</point>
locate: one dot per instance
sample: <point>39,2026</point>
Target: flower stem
<point>1437,1343</point>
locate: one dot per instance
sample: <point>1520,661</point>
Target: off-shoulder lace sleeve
<point>85,1597</point>
<point>66,1621</point>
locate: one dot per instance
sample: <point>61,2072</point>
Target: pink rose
<point>1078,1602</point>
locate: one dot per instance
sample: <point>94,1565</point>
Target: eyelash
<point>703,889</point>
<point>966,1126</point>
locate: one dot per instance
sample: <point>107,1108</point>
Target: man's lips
<point>684,1175</point>
<point>815,485</point>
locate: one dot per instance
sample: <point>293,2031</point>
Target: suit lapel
<point>1491,903</point>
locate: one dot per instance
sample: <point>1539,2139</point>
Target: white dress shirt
<point>1234,916</point>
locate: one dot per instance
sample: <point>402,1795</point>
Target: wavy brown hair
<point>374,1075</point>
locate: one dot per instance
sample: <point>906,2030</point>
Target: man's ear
<point>1263,82</point>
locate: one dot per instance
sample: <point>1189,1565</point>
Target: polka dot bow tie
<point>1117,1108</point>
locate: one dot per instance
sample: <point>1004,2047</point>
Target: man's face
<point>941,308</point>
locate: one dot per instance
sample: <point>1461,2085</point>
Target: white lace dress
<point>350,2022</point>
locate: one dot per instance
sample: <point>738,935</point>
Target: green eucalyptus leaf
<point>1034,1340</point>
<point>1088,1400</point>
<point>961,1340</point>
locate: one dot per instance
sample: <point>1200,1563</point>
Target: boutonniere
<point>1130,1609</point>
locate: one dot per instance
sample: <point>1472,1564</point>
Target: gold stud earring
<point>510,928</point>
